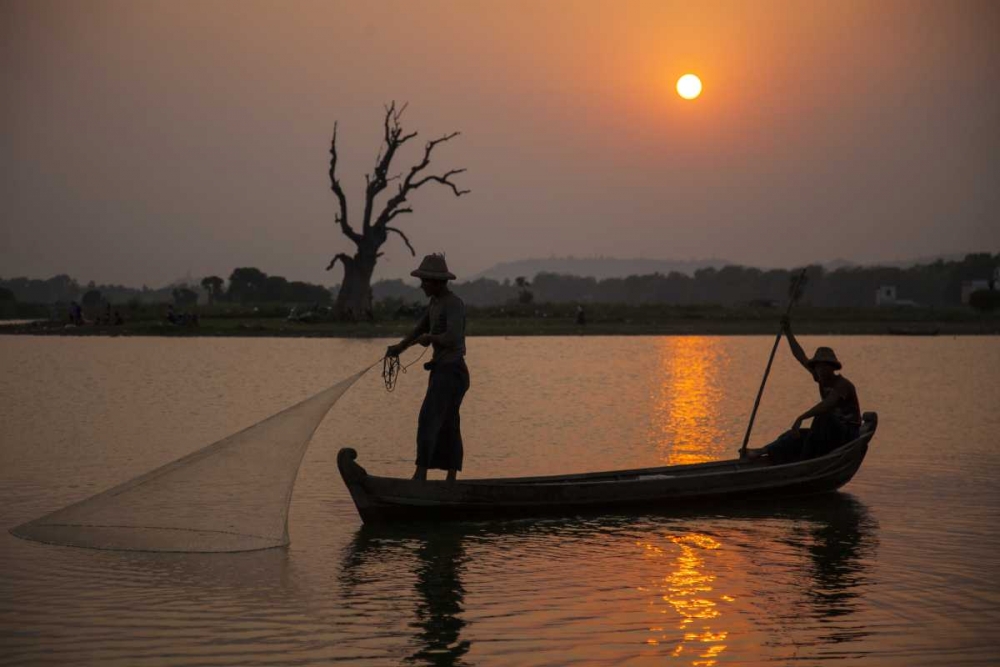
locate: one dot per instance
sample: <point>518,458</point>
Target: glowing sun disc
<point>689,86</point>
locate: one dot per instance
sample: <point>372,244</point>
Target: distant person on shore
<point>836,418</point>
<point>581,317</point>
<point>442,326</point>
<point>75,313</point>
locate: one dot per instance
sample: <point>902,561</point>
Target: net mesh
<point>232,495</point>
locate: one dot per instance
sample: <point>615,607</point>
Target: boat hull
<point>387,499</point>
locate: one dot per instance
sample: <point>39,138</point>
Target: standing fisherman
<point>439,432</point>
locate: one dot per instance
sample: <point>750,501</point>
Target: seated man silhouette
<point>836,418</point>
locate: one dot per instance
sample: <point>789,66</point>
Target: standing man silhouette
<point>442,326</point>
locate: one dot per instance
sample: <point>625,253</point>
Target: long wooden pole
<point>774,348</point>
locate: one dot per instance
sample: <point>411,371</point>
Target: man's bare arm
<point>422,328</point>
<point>797,350</point>
<point>823,407</point>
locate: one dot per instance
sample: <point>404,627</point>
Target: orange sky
<point>141,141</point>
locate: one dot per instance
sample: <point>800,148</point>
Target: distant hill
<point>595,267</point>
<point>613,267</point>
<point>835,264</point>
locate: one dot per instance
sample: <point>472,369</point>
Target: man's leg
<point>428,427</point>
<point>786,448</point>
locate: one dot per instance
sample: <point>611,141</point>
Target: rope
<point>391,368</point>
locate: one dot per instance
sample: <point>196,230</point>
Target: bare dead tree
<point>354,301</point>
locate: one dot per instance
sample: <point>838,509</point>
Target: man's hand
<point>797,427</point>
<point>394,350</point>
<point>424,339</point>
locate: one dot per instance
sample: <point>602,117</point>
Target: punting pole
<point>792,298</point>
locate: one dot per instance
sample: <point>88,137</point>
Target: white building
<point>885,295</point>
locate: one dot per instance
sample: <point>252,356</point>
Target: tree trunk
<point>354,301</point>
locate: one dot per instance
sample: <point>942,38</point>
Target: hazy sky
<point>141,141</point>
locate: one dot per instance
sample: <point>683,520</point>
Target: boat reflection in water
<point>437,558</point>
<point>719,581</point>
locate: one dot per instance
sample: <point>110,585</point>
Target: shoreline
<point>279,328</point>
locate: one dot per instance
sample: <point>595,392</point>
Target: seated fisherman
<point>836,418</point>
<point>439,429</point>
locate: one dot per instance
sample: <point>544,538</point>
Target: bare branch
<point>394,138</point>
<point>396,212</point>
<point>444,181</point>
<point>346,259</point>
<point>405,240</point>
<point>428,148</point>
<point>341,219</point>
<point>409,184</point>
<point>399,114</point>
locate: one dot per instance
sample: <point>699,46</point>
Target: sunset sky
<point>143,141</point>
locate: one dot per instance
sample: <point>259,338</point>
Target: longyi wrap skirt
<point>439,428</point>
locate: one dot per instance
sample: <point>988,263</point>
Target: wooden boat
<point>383,499</point>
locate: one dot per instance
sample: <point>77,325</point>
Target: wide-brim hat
<point>433,268</point>
<point>825,355</point>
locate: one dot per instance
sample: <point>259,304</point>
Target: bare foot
<point>452,474</point>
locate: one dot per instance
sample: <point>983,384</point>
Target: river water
<point>899,568</point>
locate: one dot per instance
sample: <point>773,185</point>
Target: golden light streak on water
<point>688,590</point>
<point>685,412</point>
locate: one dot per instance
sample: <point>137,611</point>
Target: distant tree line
<point>936,284</point>
<point>246,285</point>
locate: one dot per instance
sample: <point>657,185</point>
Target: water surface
<point>898,569</point>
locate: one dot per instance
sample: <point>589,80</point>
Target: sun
<point>689,86</point>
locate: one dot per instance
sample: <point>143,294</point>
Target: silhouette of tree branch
<point>409,184</point>
<point>394,138</point>
<point>341,217</point>
<point>346,259</point>
<point>405,240</point>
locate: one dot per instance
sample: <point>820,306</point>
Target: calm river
<point>900,568</point>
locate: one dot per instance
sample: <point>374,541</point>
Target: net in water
<point>232,495</point>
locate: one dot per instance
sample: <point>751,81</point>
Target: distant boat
<point>384,499</point>
<point>913,331</point>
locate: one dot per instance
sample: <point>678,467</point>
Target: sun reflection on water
<point>688,592</point>
<point>685,410</point>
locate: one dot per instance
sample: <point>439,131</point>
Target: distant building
<point>970,286</point>
<point>885,295</point>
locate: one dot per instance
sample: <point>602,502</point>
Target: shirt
<point>847,408</point>
<point>445,316</point>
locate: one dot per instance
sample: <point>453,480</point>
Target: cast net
<point>232,495</point>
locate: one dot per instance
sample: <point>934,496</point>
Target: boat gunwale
<point>634,475</point>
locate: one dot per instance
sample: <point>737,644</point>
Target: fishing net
<point>232,495</point>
